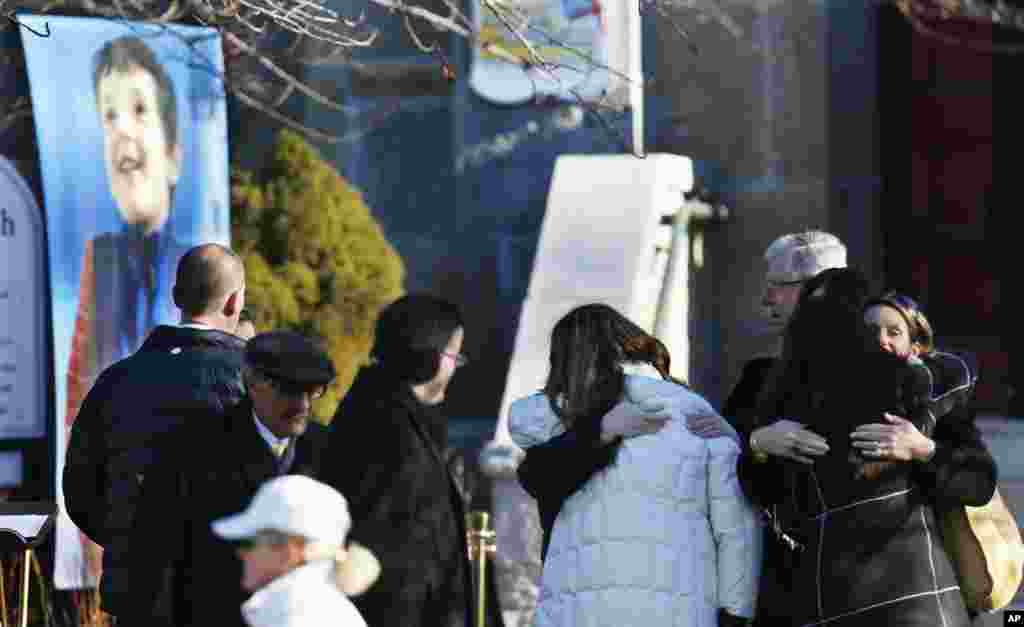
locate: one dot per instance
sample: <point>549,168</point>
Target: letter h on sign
<point>6,224</point>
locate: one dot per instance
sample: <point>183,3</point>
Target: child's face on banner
<point>142,164</point>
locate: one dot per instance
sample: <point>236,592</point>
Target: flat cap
<point>289,356</point>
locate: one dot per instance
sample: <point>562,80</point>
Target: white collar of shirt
<point>196,325</point>
<point>272,440</point>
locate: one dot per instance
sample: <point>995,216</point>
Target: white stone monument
<point>23,322</point>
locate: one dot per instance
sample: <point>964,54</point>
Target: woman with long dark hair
<point>386,455</point>
<point>662,535</point>
<point>871,554</point>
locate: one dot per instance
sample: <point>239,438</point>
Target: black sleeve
<point>84,481</point>
<point>962,470</point>
<point>762,481</point>
<point>150,569</point>
<point>551,472</point>
<point>740,409</point>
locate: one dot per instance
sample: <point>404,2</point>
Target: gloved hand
<point>629,419</point>
<point>709,426</point>
<point>789,439</point>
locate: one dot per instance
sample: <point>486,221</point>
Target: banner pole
<point>636,77</point>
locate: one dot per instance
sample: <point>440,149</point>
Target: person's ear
<point>295,551</point>
<point>916,349</point>
<point>233,304</point>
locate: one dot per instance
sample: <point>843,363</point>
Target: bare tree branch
<point>918,13</point>
<point>20,109</point>
<point>441,23</point>
<point>416,38</point>
<point>280,73</point>
<point>274,114</point>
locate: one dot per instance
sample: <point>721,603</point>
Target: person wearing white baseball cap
<point>297,563</point>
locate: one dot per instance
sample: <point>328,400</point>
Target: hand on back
<point>628,419</point>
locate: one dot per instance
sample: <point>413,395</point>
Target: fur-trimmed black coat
<point>775,587</point>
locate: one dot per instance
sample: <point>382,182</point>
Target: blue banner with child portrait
<point>132,134</point>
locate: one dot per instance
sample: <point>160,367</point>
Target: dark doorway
<point>950,131</point>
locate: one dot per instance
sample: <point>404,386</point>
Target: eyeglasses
<point>459,359</point>
<point>294,390</point>
<point>786,283</point>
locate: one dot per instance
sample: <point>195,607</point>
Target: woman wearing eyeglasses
<point>386,455</point>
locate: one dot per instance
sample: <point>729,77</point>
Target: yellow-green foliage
<point>315,259</point>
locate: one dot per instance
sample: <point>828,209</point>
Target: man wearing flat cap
<point>212,467</point>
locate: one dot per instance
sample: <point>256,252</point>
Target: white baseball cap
<point>293,504</point>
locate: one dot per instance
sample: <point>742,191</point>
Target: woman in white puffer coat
<point>662,535</point>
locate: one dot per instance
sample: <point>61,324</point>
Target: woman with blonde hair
<point>901,328</point>
<point>297,563</point>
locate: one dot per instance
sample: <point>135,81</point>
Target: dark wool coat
<point>178,374</point>
<point>386,457</point>
<point>553,471</point>
<point>124,290</point>
<point>178,572</point>
<point>134,402</point>
<point>740,409</point>
<point>872,553</point>
<point>775,587</point>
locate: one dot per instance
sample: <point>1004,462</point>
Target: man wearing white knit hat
<point>791,259</point>
<point>292,542</point>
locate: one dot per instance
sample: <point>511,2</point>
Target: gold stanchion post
<point>481,541</point>
<point>24,586</point>
<point>23,525</point>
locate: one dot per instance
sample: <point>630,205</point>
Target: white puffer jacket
<point>662,537</point>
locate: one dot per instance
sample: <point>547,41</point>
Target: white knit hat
<point>297,505</point>
<point>800,256</point>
